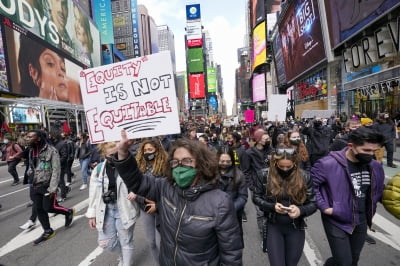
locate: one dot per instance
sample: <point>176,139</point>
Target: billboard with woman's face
<point>3,67</point>
<point>39,70</point>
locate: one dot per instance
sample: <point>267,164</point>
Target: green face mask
<point>183,175</point>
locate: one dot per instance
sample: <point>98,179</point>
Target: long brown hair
<point>301,149</point>
<point>206,160</point>
<point>159,162</point>
<point>293,187</point>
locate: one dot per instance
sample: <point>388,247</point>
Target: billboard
<point>195,60</point>
<point>61,23</point>
<point>259,88</point>
<point>346,18</point>
<point>103,16</point>
<point>135,28</point>
<point>3,66</point>
<point>301,38</point>
<point>40,70</point>
<point>196,86</point>
<point>211,79</point>
<point>257,12</point>
<point>194,34</point>
<point>259,46</point>
<point>193,12</point>
<point>24,114</point>
<point>278,58</point>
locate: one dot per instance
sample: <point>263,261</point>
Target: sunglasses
<point>288,151</point>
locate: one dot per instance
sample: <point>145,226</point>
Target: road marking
<point>9,180</point>
<point>13,192</point>
<point>311,251</point>
<point>27,237</point>
<point>391,234</point>
<point>13,209</point>
<point>91,257</point>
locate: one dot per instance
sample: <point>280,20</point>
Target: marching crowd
<point>191,189</point>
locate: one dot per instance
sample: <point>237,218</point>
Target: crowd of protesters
<point>192,188</point>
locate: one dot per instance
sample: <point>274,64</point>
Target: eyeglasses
<point>284,151</point>
<point>185,161</point>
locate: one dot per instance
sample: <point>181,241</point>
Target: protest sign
<point>137,95</point>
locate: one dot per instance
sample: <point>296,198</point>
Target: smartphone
<point>286,208</point>
<point>147,208</point>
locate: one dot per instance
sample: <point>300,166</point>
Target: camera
<point>109,197</point>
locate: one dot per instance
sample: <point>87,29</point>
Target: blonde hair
<point>103,147</point>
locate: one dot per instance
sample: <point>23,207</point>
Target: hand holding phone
<point>286,208</point>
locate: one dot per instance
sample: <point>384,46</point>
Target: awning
<point>317,113</point>
<point>36,101</point>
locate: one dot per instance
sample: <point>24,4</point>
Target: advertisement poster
<point>137,95</point>
<point>257,12</point>
<point>279,64</point>
<point>40,70</point>
<point>24,114</point>
<point>259,46</point>
<point>103,16</point>
<point>3,67</point>
<point>346,18</point>
<point>196,86</point>
<point>61,23</point>
<point>193,12</point>
<point>196,60</point>
<point>212,79</point>
<point>259,88</point>
<point>249,116</point>
<point>301,38</point>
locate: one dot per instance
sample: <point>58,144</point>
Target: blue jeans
<point>152,234</point>
<point>114,237</point>
<point>84,169</point>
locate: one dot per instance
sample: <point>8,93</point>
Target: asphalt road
<point>77,245</point>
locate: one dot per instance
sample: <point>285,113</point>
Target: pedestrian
<point>287,198</point>
<point>13,156</point>
<point>385,125</point>
<point>110,211</point>
<point>198,223</point>
<point>83,153</point>
<point>293,140</point>
<point>44,166</point>
<point>348,184</point>
<point>62,148</point>
<point>151,159</point>
<point>71,157</point>
<point>232,181</point>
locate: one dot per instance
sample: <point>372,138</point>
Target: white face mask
<point>5,141</point>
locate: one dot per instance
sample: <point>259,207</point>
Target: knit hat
<point>365,121</point>
<point>258,134</point>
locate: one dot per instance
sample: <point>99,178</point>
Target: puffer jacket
<point>46,170</point>
<point>334,189</point>
<point>198,225</point>
<point>391,196</point>
<point>128,210</point>
<point>267,204</point>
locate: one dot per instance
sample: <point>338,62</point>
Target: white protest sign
<point>137,95</point>
<point>277,107</point>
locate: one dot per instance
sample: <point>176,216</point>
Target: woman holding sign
<point>198,223</point>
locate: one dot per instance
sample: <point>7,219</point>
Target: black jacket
<point>267,204</point>
<point>258,160</point>
<point>198,225</point>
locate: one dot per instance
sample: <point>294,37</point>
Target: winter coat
<point>386,129</point>
<point>198,225</point>
<point>391,196</point>
<point>258,160</point>
<point>128,210</point>
<point>267,204</point>
<point>334,189</point>
<point>318,140</point>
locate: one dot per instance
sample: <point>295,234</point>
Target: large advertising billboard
<point>193,12</point>
<point>40,70</point>
<point>301,38</point>
<point>257,12</point>
<point>135,29</point>
<point>259,88</point>
<point>103,16</point>
<point>21,113</point>
<point>196,86</point>
<point>259,46</point>
<point>194,34</point>
<point>61,23</point>
<point>211,79</point>
<point>3,66</point>
<point>278,58</point>
<point>195,60</point>
<point>346,18</point>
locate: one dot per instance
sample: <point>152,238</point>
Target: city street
<point>77,245</point>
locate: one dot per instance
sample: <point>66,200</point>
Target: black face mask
<point>285,173</point>
<point>224,166</point>
<point>149,156</point>
<point>364,158</point>
<point>214,139</point>
<point>317,123</point>
<point>109,161</point>
<point>267,144</point>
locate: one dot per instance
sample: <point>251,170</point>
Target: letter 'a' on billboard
<point>193,12</point>
<point>195,60</point>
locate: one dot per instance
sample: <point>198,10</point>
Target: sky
<point>225,21</point>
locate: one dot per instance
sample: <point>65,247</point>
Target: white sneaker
<point>68,184</point>
<point>84,186</point>
<point>29,224</point>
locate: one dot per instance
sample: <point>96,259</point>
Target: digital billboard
<point>301,38</point>
<point>259,46</point>
<point>61,23</point>
<point>3,66</point>
<point>195,60</point>
<point>103,16</point>
<point>193,12</point>
<point>278,58</point>
<point>346,18</point>
<point>194,34</point>
<point>211,79</point>
<point>259,88</point>
<point>257,12</point>
<point>40,70</point>
<point>196,86</point>
<point>24,114</point>
<point>135,28</point>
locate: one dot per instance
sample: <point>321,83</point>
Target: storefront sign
<point>137,95</point>
<point>379,87</point>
